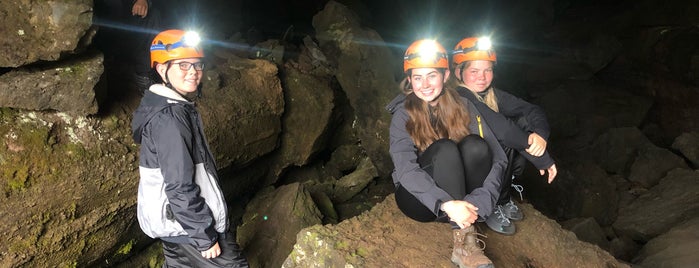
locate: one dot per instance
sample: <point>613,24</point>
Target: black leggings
<point>456,168</point>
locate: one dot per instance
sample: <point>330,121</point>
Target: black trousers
<point>456,168</point>
<point>186,255</point>
<point>515,168</point>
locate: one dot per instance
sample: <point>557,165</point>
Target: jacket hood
<point>155,99</point>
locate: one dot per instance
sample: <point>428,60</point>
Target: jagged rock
<point>624,248</point>
<point>349,185</point>
<point>616,149</point>
<point>588,230</point>
<point>676,248</point>
<point>579,112</point>
<point>687,145</point>
<point>35,30</point>
<point>244,99</point>
<point>652,164</point>
<point>346,157</point>
<point>272,220</point>
<point>305,96</point>
<point>364,71</point>
<point>66,86</point>
<point>584,190</point>
<point>646,217</point>
<point>384,237</point>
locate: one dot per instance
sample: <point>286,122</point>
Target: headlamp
<point>190,39</point>
<point>482,44</point>
<point>427,51</point>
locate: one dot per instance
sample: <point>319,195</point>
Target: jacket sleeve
<point>407,171</point>
<point>174,146</point>
<point>486,196</point>
<point>506,131</point>
<point>513,107</point>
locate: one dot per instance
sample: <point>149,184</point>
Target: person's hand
<point>537,145</point>
<point>552,172</point>
<point>461,212</point>
<point>213,252</point>
<point>140,8</point>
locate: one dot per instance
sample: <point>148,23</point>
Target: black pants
<point>186,255</point>
<point>456,168</point>
<point>515,167</point>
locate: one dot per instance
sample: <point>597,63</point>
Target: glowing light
<point>484,43</point>
<point>191,39</point>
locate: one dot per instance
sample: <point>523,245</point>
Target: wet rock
<point>272,220</point>
<point>38,30</point>
<point>364,72</point>
<point>687,145</point>
<point>349,185</point>
<point>676,248</point>
<point>671,202</point>
<point>66,86</point>
<point>652,164</point>
<point>588,230</point>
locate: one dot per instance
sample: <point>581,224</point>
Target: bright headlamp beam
<point>484,43</point>
<point>191,39</point>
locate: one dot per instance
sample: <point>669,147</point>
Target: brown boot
<point>467,253</point>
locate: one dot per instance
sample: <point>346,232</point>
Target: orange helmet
<point>174,44</point>
<point>425,53</point>
<point>473,48</point>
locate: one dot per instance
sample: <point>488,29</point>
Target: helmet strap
<point>167,79</point>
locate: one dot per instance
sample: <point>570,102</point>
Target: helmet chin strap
<point>167,79</point>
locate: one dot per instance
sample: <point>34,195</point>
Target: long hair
<point>489,98</point>
<point>426,123</point>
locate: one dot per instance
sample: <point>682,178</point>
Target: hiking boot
<point>511,211</point>
<point>499,223</point>
<point>467,252</point>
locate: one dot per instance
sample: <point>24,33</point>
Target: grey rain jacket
<point>407,171</point>
<point>510,134</point>
<point>179,198</point>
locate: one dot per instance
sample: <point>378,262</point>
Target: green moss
<point>126,248</point>
<point>18,179</point>
<point>363,252</point>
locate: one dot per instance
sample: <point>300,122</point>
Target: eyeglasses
<point>185,65</point>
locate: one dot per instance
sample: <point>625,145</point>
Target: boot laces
<point>501,216</point>
<point>519,188</point>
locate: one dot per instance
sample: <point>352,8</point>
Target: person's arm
<point>513,107</point>
<point>407,171</point>
<point>173,137</point>
<point>486,196</point>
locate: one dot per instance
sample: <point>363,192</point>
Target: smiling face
<point>477,75</point>
<point>428,83</point>
<point>183,81</point>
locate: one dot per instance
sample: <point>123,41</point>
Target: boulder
<point>37,30</point>
<point>384,237</point>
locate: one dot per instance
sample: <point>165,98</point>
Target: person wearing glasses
<point>521,127</point>
<point>180,201</point>
<point>448,164</point>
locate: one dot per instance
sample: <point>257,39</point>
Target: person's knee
<point>442,146</point>
<point>474,145</point>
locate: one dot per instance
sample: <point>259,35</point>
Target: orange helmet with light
<point>425,53</point>
<point>174,44</point>
<point>473,48</point>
